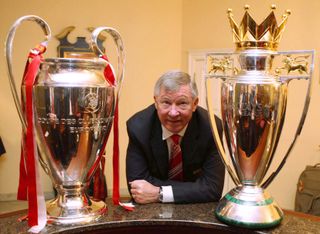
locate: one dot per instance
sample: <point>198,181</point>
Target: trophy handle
<point>8,54</point>
<point>299,128</point>
<point>120,49</point>
<point>216,136</point>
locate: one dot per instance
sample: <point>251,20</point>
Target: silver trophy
<point>247,89</point>
<point>73,112</point>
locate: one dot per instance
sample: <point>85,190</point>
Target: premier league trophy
<point>248,89</point>
<point>73,107</point>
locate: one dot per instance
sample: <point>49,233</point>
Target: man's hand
<point>143,192</point>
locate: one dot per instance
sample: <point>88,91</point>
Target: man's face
<point>175,108</point>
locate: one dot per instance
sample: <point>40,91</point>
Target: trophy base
<point>74,211</point>
<point>249,207</point>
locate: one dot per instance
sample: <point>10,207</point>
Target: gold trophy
<point>247,89</point>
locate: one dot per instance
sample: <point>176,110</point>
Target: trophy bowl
<point>72,102</point>
<point>249,93</point>
<point>74,108</point>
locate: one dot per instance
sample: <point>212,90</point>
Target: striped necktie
<point>175,171</point>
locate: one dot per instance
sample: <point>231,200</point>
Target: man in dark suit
<point>149,160</point>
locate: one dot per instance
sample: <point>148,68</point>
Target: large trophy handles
<point>120,49</point>
<point>287,79</point>
<point>216,135</point>
<point>8,54</point>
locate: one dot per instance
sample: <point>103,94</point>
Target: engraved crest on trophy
<point>253,83</point>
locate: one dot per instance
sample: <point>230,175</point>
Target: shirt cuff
<point>167,194</point>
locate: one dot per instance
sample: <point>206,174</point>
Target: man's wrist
<point>160,194</point>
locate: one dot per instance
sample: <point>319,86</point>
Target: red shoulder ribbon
<point>110,78</point>
<point>29,182</point>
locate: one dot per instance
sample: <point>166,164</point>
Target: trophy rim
<point>76,61</point>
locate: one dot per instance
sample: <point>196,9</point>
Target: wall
<point>151,31</point>
<point>206,27</point>
<point>158,36</point>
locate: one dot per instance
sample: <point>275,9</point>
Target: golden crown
<point>250,35</point>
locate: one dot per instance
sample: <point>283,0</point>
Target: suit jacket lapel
<point>160,149</point>
<point>189,141</point>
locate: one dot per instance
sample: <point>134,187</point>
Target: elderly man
<point>171,156</point>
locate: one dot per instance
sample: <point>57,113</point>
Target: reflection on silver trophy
<point>247,89</point>
<point>73,112</point>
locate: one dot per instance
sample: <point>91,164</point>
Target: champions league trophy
<point>73,106</point>
<point>247,89</point>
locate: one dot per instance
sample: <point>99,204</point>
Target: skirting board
<point>13,196</point>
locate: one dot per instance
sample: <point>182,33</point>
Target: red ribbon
<point>22,189</point>
<point>115,161</point>
<point>27,181</point>
<point>98,182</point>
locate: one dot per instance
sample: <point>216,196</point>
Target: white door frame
<point>197,69</point>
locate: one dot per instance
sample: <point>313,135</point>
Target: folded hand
<point>143,192</point>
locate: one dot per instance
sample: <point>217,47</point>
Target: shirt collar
<point>166,133</point>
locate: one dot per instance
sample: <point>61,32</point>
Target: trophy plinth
<point>251,88</point>
<point>249,206</point>
<point>72,206</point>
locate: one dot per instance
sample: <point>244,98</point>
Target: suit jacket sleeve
<point>139,161</point>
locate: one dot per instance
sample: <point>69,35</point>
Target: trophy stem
<point>249,207</point>
<point>73,206</point>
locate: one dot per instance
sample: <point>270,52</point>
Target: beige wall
<point>157,37</point>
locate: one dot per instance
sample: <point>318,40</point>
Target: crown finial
<point>250,35</point>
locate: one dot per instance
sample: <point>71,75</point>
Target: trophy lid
<point>250,35</point>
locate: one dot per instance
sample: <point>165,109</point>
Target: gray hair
<point>173,80</point>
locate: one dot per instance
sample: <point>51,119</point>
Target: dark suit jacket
<point>147,157</point>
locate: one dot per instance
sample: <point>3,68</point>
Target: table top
<point>160,218</point>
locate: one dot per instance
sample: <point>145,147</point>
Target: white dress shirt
<point>166,134</point>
